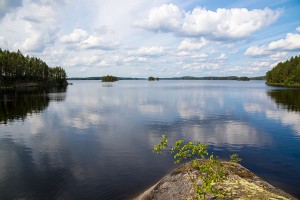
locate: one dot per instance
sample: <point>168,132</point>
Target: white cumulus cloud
<point>82,60</point>
<point>289,43</point>
<point>34,43</point>
<point>95,42</point>
<point>278,56</point>
<point>261,64</point>
<point>31,27</point>
<point>200,56</point>
<point>256,51</point>
<point>235,23</point>
<point>176,36</point>
<point>222,24</point>
<point>84,40</point>
<point>189,45</point>
<point>77,35</point>
<point>164,18</point>
<point>148,51</point>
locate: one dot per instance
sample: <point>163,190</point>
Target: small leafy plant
<point>163,144</point>
<point>210,171</point>
<point>235,158</point>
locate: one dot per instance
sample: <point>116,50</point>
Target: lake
<point>93,140</point>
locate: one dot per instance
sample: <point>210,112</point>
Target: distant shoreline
<point>176,78</point>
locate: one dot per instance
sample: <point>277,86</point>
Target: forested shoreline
<point>17,70</point>
<point>285,73</point>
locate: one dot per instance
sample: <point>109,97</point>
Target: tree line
<point>236,78</point>
<point>285,73</point>
<point>16,68</point>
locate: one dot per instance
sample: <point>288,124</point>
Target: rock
<point>240,183</point>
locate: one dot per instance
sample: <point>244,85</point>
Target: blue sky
<point>164,38</point>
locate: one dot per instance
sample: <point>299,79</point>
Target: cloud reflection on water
<point>100,135</point>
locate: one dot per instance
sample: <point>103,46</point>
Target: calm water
<point>94,140</point>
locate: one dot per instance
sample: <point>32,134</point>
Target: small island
<point>285,74</point>
<point>244,78</point>
<point>17,71</point>
<point>151,78</point>
<point>109,78</point>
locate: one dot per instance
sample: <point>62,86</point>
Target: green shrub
<point>210,171</point>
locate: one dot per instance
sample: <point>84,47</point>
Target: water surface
<point>94,140</point>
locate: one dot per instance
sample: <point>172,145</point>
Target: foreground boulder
<point>240,183</point>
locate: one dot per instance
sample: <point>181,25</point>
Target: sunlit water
<point>94,140</point>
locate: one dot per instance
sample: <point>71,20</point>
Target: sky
<point>161,38</point>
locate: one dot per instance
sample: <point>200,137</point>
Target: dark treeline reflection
<point>289,99</point>
<point>16,104</point>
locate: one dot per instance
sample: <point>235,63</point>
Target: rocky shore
<point>240,183</point>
